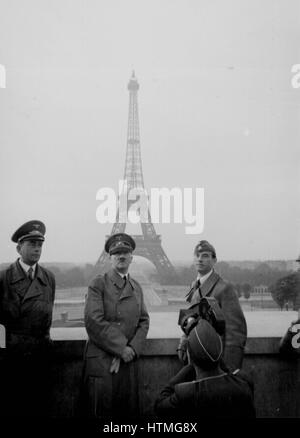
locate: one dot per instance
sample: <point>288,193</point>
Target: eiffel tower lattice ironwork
<point>148,244</point>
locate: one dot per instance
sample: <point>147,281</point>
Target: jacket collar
<point>209,284</point>
<point>40,275</point>
<point>206,287</point>
<point>118,281</point>
<point>204,277</point>
<point>17,273</point>
<point>26,267</point>
<point>116,278</point>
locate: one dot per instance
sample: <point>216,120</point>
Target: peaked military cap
<point>205,345</point>
<point>119,242</point>
<point>204,245</point>
<point>32,230</point>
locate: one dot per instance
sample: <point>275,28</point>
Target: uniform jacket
<point>228,395</point>
<point>236,328</point>
<point>26,307</point>
<point>115,316</point>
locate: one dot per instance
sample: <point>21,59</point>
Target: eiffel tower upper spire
<point>133,173</point>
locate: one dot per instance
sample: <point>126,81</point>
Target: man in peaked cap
<point>209,284</point>
<point>117,324</point>
<point>214,393</point>
<point>32,230</point>
<point>119,241</point>
<point>26,303</point>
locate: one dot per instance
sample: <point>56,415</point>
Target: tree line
<point>261,274</point>
<point>76,276</point>
<point>283,285</point>
<point>246,278</point>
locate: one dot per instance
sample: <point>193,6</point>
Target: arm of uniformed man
<point>236,328</point>
<point>136,343</point>
<point>167,401</point>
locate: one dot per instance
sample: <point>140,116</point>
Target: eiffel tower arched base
<point>151,249</point>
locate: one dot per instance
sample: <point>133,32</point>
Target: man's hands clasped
<point>127,355</point>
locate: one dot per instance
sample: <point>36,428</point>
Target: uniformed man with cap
<point>209,284</point>
<point>26,302</point>
<point>202,389</point>
<point>117,324</point>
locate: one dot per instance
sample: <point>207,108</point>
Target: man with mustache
<point>209,284</point>
<point>117,324</point>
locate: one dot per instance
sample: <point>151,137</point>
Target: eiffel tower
<point>148,244</point>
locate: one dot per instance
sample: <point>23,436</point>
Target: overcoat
<point>235,323</point>
<point>115,316</point>
<point>26,307</point>
<point>26,312</point>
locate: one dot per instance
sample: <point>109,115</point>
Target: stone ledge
<point>165,346</point>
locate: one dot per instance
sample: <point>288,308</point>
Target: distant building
<point>261,289</point>
<point>281,265</point>
<point>243,264</point>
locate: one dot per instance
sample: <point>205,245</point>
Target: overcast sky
<point>216,107</point>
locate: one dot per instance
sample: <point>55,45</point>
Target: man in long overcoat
<point>26,303</point>
<point>117,324</point>
<point>209,284</point>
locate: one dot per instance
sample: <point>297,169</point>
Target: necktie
<point>191,295</point>
<point>30,273</point>
<point>198,287</point>
<point>125,280</point>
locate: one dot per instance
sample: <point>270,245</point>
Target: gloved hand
<point>190,324</point>
<point>115,365</point>
<point>182,349</point>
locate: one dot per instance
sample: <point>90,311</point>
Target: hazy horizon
<point>142,260</point>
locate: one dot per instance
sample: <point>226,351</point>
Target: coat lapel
<point>17,273</point>
<point>34,289</point>
<point>190,294</point>
<point>193,296</point>
<point>209,284</point>
<point>118,281</point>
<point>128,289</point>
<point>40,275</point>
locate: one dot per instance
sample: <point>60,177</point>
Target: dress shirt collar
<point>203,278</point>
<point>26,267</point>
<point>123,275</point>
